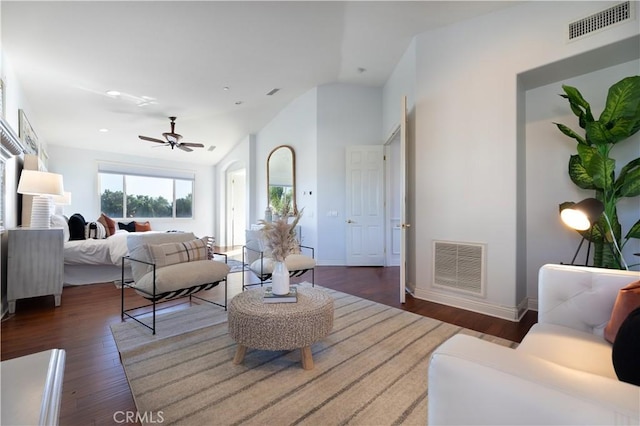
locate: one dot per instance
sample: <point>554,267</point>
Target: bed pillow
<point>129,227</point>
<point>108,223</point>
<point>171,253</point>
<point>59,221</point>
<point>627,300</point>
<point>95,231</point>
<point>142,226</point>
<point>76,227</point>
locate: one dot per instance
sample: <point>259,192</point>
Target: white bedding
<point>108,251</point>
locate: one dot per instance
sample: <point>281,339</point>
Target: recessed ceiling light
<point>103,130</point>
<point>113,93</point>
<point>225,88</point>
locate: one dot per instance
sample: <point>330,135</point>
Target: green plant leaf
<point>623,128</point>
<point>579,105</point>
<point>628,183</point>
<point>623,100</point>
<point>578,173</point>
<point>568,132</point>
<point>634,232</point>
<point>599,167</point>
<point>598,134</point>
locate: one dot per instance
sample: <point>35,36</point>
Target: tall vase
<point>280,279</point>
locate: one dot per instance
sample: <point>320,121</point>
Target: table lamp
<point>42,185</point>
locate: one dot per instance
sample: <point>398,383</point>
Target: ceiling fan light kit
<point>173,139</point>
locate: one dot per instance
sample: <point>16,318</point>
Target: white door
<point>403,200</point>
<point>365,205</point>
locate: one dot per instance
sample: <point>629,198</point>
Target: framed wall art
<point>27,134</point>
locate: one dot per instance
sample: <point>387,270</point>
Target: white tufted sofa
<point>561,373</point>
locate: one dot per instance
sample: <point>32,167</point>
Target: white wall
<point>319,125</point>
<point>296,126</point>
<point>80,172</point>
<point>548,185</point>
<point>347,115</point>
<point>402,82</point>
<point>466,135</point>
<point>14,100</point>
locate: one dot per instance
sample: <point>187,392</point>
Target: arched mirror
<point>281,180</point>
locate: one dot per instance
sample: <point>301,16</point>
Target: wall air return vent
<point>459,266</point>
<point>613,15</point>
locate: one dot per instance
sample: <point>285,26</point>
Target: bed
<point>96,260</point>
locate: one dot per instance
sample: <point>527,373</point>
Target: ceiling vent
<point>459,266</point>
<point>598,21</point>
<point>273,92</point>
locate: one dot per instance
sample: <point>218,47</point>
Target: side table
<point>280,326</point>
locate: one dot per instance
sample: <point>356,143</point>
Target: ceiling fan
<point>173,139</point>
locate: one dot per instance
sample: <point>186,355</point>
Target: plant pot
<point>280,279</point>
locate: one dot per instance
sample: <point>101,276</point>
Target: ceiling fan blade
<point>147,138</point>
<point>184,148</point>
<point>193,144</point>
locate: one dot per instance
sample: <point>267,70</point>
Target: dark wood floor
<point>95,386</point>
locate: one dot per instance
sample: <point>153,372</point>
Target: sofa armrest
<point>472,381</point>
<point>579,297</point>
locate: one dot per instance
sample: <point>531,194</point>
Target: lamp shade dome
<point>581,216</point>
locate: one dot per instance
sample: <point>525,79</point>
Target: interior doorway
<point>236,207</point>
<point>392,199</point>
<point>396,198</point>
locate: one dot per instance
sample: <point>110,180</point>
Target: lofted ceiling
<point>210,63</point>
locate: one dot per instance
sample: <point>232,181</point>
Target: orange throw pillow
<point>108,223</point>
<point>143,226</point>
<point>627,300</point>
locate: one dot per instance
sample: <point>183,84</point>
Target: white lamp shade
<point>583,215</point>
<point>575,219</point>
<point>33,182</point>
<point>62,200</point>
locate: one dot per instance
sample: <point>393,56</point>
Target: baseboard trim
<point>503,312</point>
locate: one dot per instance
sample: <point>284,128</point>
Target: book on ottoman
<point>290,297</point>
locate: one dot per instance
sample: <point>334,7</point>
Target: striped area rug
<point>371,369</point>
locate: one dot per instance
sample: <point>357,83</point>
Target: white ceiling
<point>68,54</point>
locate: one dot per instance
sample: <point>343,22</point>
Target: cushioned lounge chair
<point>167,266</point>
<point>257,258</point>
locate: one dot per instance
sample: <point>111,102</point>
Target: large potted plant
<point>593,168</point>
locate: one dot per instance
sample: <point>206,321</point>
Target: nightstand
<point>35,263</point>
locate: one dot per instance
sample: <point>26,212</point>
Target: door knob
<point>406,225</point>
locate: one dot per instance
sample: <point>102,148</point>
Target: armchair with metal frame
<point>257,258</point>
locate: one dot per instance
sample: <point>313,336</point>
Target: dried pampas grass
<point>280,236</point>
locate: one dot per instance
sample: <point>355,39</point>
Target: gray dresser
<point>35,264</point>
